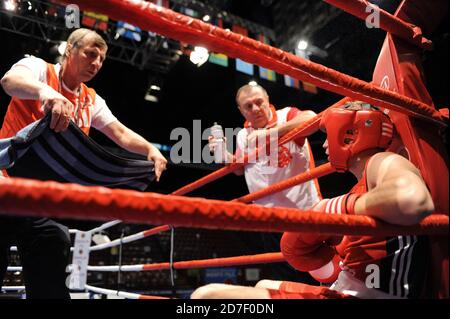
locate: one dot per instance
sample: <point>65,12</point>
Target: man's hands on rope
<point>60,107</point>
<point>253,139</point>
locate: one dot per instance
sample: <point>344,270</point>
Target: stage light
<point>10,5</point>
<point>154,89</point>
<point>62,47</point>
<point>151,98</point>
<point>199,56</point>
<point>302,45</point>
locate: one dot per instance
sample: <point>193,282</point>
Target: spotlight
<point>253,83</point>
<point>206,18</point>
<point>10,5</point>
<point>62,47</point>
<point>199,56</point>
<point>57,51</point>
<point>151,98</point>
<point>302,45</point>
<point>154,89</point>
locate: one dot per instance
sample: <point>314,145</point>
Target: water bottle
<point>220,151</point>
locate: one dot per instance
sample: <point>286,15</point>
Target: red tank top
<point>400,261</point>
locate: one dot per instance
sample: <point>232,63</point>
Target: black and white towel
<point>38,152</point>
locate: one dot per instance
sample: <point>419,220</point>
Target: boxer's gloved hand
<point>316,253</point>
<point>310,252</point>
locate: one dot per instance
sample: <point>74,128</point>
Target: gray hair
<point>248,87</point>
<point>76,38</point>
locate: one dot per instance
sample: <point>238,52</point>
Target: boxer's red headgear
<point>351,131</point>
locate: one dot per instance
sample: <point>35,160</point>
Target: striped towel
<point>37,152</point>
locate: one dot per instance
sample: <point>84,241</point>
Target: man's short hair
<point>77,37</point>
<point>248,87</point>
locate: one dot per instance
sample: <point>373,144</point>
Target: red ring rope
<point>325,169</point>
<point>177,26</point>
<point>51,199</point>
<point>219,262</point>
<point>388,22</point>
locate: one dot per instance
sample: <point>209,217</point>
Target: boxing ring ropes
<point>50,199</point>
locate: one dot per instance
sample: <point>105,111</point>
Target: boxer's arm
<point>397,193</point>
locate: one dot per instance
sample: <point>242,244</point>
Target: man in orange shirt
<point>37,88</point>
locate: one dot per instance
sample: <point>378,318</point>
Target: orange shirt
<point>21,113</point>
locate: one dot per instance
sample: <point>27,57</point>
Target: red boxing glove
<point>315,253</point>
<point>306,252</point>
